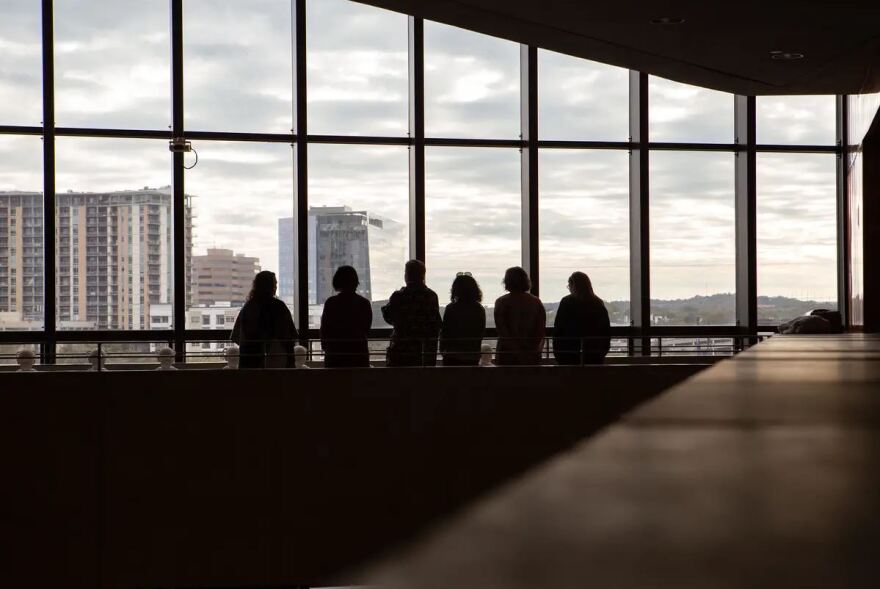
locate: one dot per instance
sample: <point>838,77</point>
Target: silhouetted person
<point>581,314</point>
<point>520,319</point>
<point>345,323</point>
<point>264,329</point>
<point>414,312</point>
<point>464,322</point>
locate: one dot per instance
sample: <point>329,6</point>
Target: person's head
<point>232,354</point>
<point>345,279</point>
<point>414,273</point>
<point>300,355</point>
<point>264,286</point>
<point>517,280</point>
<point>166,357</point>
<point>26,359</point>
<point>465,289</point>
<point>485,354</point>
<point>580,285</point>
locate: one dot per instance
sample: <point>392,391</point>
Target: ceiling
<point>720,45</point>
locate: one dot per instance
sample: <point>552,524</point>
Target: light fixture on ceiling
<point>667,20</point>
<point>786,55</point>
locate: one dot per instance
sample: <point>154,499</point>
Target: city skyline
<point>357,76</point>
<point>338,235</point>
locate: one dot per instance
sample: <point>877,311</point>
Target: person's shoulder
<point>598,303</point>
<point>279,305</point>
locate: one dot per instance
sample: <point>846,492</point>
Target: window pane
<point>584,216</point>
<point>472,217</point>
<point>471,84</point>
<point>693,272</point>
<point>21,233</point>
<point>357,69</point>
<point>684,113</point>
<point>581,100</point>
<point>21,64</point>
<point>797,235</point>
<point>114,233</point>
<point>804,120</point>
<point>240,193</point>
<point>358,216</point>
<point>238,65</point>
<point>112,64</point>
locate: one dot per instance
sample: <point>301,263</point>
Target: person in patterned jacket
<point>414,312</point>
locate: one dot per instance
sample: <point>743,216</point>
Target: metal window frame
<point>530,143</point>
<point>745,223</point>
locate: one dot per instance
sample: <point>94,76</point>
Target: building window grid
<point>415,140</point>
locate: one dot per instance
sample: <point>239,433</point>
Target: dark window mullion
<point>843,225</point>
<point>178,173</point>
<point>300,171</point>
<point>49,310</point>
<point>746,214</point>
<point>416,58</point>
<point>640,258</point>
<point>529,162</point>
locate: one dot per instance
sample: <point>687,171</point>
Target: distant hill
<point>716,309</point>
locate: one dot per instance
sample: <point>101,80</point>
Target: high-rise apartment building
<point>222,275</point>
<point>113,257</point>
<point>21,260</point>
<point>286,270</point>
<point>374,245</point>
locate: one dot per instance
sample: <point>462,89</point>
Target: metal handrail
<point>427,348</point>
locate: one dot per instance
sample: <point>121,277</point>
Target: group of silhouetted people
<point>265,331</point>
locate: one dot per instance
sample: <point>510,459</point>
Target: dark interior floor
<point>762,471</point>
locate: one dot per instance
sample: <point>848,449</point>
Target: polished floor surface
<point>762,471</point>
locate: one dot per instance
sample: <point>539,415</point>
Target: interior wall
<point>862,132</point>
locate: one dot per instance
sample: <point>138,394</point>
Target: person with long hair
<point>414,312</point>
<point>345,323</point>
<point>464,322</point>
<point>264,329</point>
<point>582,329</point>
<point>521,321</point>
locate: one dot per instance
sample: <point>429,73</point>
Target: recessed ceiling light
<point>667,20</point>
<point>786,55</point>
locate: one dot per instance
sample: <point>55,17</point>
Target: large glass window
<point>21,233</point>
<point>358,216</point>
<point>114,234</point>
<point>242,203</point>
<point>693,272</point>
<point>581,100</point>
<point>112,64</point>
<point>21,63</point>
<point>238,65</point>
<point>357,69</point>
<point>471,84</point>
<point>797,234</point>
<point>684,113</point>
<point>803,120</point>
<point>473,222</point>
<point>584,226</point>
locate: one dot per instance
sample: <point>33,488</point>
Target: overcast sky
<point>113,71</point>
